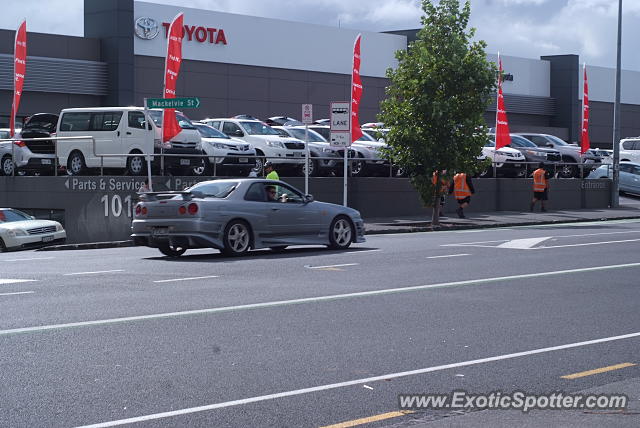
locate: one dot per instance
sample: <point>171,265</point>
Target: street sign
<point>307,114</point>
<point>179,103</point>
<point>340,139</point>
<point>340,117</point>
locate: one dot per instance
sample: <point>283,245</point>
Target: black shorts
<point>541,196</point>
<point>442,199</point>
<point>464,200</point>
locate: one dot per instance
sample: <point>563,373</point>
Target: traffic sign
<point>340,117</point>
<point>180,103</point>
<point>307,113</point>
<point>340,139</point>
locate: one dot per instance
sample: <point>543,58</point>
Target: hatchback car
<point>19,231</point>
<point>236,215</point>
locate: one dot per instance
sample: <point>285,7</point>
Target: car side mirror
<point>308,198</point>
<point>238,133</point>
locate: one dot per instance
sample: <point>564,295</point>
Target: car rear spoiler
<point>186,195</point>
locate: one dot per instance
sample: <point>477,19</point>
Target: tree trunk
<point>435,217</point>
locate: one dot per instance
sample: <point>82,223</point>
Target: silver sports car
<point>235,216</point>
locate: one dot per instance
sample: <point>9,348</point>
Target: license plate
<point>47,238</point>
<point>297,155</point>
<point>159,231</point>
<point>45,161</point>
<point>185,162</point>
<point>243,160</point>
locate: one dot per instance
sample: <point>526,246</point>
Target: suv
<point>227,155</point>
<point>269,145</point>
<point>6,155</point>
<point>630,150</point>
<point>37,156</point>
<point>532,153</point>
<point>570,154</point>
<point>508,162</point>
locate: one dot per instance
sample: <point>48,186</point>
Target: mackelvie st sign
<point>148,28</point>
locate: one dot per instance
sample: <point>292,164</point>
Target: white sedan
<point>19,230</point>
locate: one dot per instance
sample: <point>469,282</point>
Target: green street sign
<point>179,103</point>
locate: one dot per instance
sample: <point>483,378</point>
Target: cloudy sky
<point>525,28</point>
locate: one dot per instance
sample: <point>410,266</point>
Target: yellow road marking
<point>596,371</point>
<point>370,419</point>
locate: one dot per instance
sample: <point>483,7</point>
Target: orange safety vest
<point>460,188</point>
<point>539,180</point>
<point>443,182</point>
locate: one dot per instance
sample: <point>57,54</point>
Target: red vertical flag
<point>502,124</point>
<point>584,143</point>
<point>356,91</point>
<point>170,126</point>
<point>19,71</point>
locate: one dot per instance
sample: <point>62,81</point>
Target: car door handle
<point>128,133</point>
<point>117,133</point>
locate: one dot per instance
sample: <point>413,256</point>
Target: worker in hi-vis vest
<point>439,177</point>
<point>540,187</point>
<point>271,173</point>
<point>462,189</point>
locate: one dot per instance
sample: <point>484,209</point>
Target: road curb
<point>88,246</point>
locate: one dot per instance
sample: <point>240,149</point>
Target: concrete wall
<point>100,208</point>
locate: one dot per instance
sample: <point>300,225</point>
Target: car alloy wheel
<point>259,166</point>
<point>202,168</point>
<point>136,165</point>
<point>312,165</point>
<point>7,165</point>
<point>75,164</point>
<point>340,233</point>
<point>568,171</point>
<point>357,168</point>
<point>172,250</point>
<point>237,238</point>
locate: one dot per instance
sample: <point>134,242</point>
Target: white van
<point>122,131</point>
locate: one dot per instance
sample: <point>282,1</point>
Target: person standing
<point>271,173</point>
<point>540,188</point>
<point>444,186</point>
<point>462,189</point>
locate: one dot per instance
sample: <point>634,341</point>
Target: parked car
<point>282,120</point>
<point>319,147</point>
<point>121,131</point>
<point>508,162</point>
<point>235,216</point>
<point>7,153</point>
<point>229,155</point>
<point>630,149</point>
<point>629,178</point>
<point>19,231</point>
<point>606,155</point>
<point>533,154</point>
<point>38,157</point>
<point>570,154</point>
<point>269,145</point>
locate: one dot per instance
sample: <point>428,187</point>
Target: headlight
<point>219,146</point>
<point>59,227</point>
<point>16,232</point>
<point>328,150</point>
<point>275,144</point>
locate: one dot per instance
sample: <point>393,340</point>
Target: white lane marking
<point>360,252</point>
<point>586,244</point>
<point>15,281</point>
<point>305,300</point>
<point>187,279</point>
<point>523,244</point>
<point>26,259</point>
<point>332,266</point>
<point>448,255</point>
<point>95,272</point>
<point>16,292</point>
<point>255,399</point>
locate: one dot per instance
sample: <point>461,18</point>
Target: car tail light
<point>144,210</point>
<point>141,210</point>
<point>182,210</point>
<point>19,143</point>
<point>193,209</point>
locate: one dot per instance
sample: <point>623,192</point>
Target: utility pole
<point>615,199</point>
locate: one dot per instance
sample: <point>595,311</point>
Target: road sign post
<point>341,135</point>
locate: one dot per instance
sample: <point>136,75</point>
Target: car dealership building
<point>240,64</point>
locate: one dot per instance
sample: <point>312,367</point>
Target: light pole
<point>615,200</point>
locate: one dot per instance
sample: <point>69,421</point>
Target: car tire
<point>6,166</point>
<point>76,164</point>
<point>341,233</point>
<point>259,165</point>
<point>237,238</point>
<point>3,247</point>
<point>487,173</point>
<point>171,250</point>
<point>568,171</point>
<point>358,167</point>
<point>203,169</point>
<point>313,167</point>
<point>136,165</point>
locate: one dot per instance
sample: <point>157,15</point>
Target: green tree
<point>436,100</point>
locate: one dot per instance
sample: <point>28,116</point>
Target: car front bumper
<point>32,241</point>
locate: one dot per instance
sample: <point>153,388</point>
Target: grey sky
<point>525,28</point>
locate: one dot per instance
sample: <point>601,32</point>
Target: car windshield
<point>519,141</point>
<point>209,132</point>
<point>314,137</point>
<point>258,128</point>
<point>557,140</point>
<point>7,216</point>
<point>215,189</point>
<point>156,116</point>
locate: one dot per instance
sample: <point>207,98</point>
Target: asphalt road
<point>311,337</point>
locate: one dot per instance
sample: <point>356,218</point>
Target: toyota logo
<point>146,28</point>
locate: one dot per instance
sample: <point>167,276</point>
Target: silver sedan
<point>235,216</point>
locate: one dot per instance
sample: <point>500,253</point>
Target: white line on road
<point>332,266</point>
<point>360,252</point>
<point>448,255</point>
<point>16,292</point>
<point>523,244</point>
<point>233,403</point>
<point>15,281</point>
<point>332,297</point>
<point>26,259</point>
<point>586,244</point>
<point>92,273</point>
<point>187,279</point>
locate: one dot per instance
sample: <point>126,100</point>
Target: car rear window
<point>216,190</point>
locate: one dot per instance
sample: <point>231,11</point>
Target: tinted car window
<point>539,141</point>
<point>216,190</point>
<point>521,141</point>
<point>105,121</point>
<point>183,121</point>
<point>230,128</point>
<point>136,119</point>
<point>628,145</point>
<point>12,215</point>
<point>314,137</point>
<point>624,167</point>
<point>75,121</point>
<point>255,193</point>
<point>258,128</point>
<point>282,132</point>
<point>209,132</point>
<point>325,132</point>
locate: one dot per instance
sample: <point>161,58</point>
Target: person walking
<point>271,173</point>
<point>540,188</point>
<point>462,189</point>
<point>439,176</point>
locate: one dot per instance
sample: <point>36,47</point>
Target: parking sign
<point>307,113</point>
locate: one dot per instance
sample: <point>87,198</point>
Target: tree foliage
<point>437,96</point>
